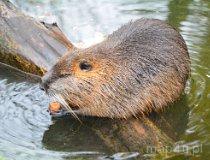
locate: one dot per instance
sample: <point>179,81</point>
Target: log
<point>29,45</point>
<point>34,47</point>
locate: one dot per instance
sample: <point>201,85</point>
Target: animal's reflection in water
<point>68,134</point>
<point>104,135</point>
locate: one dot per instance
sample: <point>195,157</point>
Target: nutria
<point>141,67</point>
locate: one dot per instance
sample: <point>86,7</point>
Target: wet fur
<point>141,67</point>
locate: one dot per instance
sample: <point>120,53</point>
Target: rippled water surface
<point>26,128</point>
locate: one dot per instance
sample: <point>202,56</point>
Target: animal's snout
<point>47,79</point>
<point>45,83</point>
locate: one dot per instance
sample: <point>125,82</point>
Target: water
<point>27,131</point>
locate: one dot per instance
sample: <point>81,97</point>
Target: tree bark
<point>29,45</point>
<point>34,47</point>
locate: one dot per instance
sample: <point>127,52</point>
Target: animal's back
<point>157,59</point>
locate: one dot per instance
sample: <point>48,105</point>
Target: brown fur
<point>141,67</point>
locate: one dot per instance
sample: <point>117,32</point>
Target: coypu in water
<point>141,67</point>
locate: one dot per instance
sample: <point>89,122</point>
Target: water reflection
<point>68,134</point>
<point>198,42</point>
<point>178,12</point>
<point>173,121</point>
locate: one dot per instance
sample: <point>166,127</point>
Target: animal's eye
<point>85,66</point>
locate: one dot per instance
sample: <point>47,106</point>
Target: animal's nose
<point>46,80</point>
<point>41,86</point>
<point>44,85</point>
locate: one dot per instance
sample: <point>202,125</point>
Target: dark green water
<point>26,129</point>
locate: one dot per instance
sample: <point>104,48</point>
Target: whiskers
<point>59,98</point>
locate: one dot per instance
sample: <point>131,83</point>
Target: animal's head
<point>90,82</point>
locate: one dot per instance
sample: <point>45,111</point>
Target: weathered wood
<point>34,47</point>
<point>27,44</point>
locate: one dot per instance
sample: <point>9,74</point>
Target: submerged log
<point>34,47</point>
